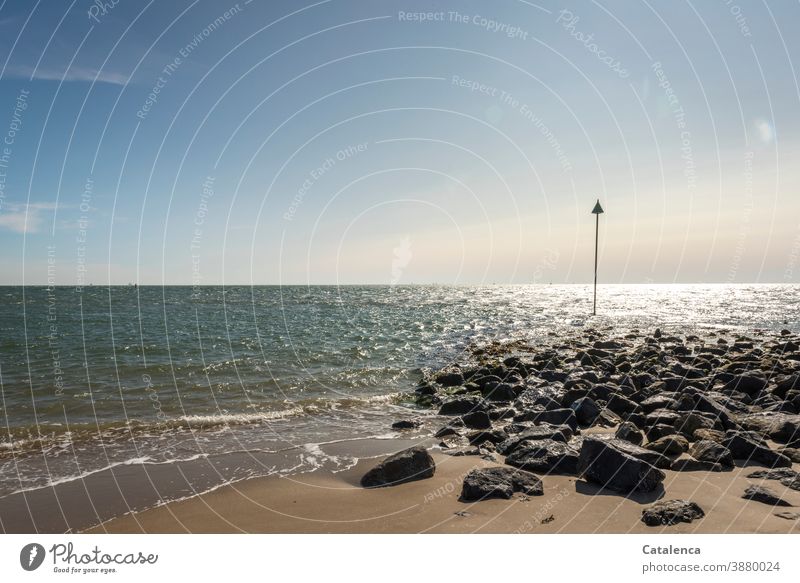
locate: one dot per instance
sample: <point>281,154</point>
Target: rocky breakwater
<point>619,411</point>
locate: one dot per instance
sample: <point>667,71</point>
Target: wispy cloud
<point>24,218</point>
<point>82,74</point>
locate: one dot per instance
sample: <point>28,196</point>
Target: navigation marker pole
<point>597,210</point>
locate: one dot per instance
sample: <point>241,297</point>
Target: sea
<point>102,377</point>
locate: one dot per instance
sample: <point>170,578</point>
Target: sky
<point>343,142</point>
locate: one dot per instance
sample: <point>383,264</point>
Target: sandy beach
<point>327,503</point>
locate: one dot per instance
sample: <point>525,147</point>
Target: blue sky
<point>362,142</point>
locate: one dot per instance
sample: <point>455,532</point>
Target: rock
<point>653,458</point>
<point>484,483</point>
<point>660,430</point>
<point>621,405</point>
<point>477,420</point>
<point>586,410</point>
<point>503,392</point>
<point>792,482</point>
<point>490,435</point>
<point>788,515</point>
<point>712,452</point>
<point>662,417</point>
<point>743,447</point>
<point>749,384</point>
<point>688,423</point>
<point>764,495</point>
<point>555,417</point>
<point>707,404</point>
<point>792,453</point>
<point>537,433</point>
<point>658,402</point>
<point>462,406</point>
<point>693,465</point>
<point>448,430</point>
<point>709,434</point>
<point>670,512</point>
<point>502,413</point>
<point>604,464</point>
<point>545,456</point>
<point>449,378</point>
<point>407,424</point>
<point>627,431</point>
<point>780,427</point>
<point>406,466</point>
<point>670,445</point>
<point>777,474</point>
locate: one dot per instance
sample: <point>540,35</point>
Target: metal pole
<point>596,239</point>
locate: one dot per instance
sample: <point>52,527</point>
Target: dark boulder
<point>669,445</point>
<point>490,435</point>
<point>627,431</point>
<point>659,430</point>
<point>545,456</point>
<point>555,417</point>
<point>776,474</point>
<point>449,378</point>
<point>621,405</point>
<point>602,463</point>
<point>554,432</point>
<point>586,410</point>
<point>792,482</point>
<point>670,512</point>
<point>653,458</point>
<point>712,452</point>
<point>406,466</point>
<point>407,424</point>
<point>477,420</point>
<point>662,417</point>
<point>502,392</point>
<point>744,447</point>
<point>750,384</point>
<point>764,495</point>
<point>484,483</point>
<point>688,423</point>
<point>462,406</point>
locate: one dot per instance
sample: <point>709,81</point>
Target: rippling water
<point>123,375</point>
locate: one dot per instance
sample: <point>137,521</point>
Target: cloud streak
<point>79,74</point>
<point>24,218</point>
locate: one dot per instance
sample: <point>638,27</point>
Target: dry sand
<point>335,503</point>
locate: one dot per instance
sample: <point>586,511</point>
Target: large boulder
<point>462,406</point>
<point>483,483</point>
<point>748,383</point>
<point>743,447</point>
<point>688,423</point>
<point>406,466</point>
<point>449,378</point>
<point>555,417</point>
<point>602,463</point>
<point>627,431</point>
<point>477,420</point>
<point>503,392</point>
<point>669,445</point>
<point>545,455</point>
<point>537,433</point>
<point>712,452</point>
<point>586,410</point>
<point>653,458</point>
<point>669,512</point>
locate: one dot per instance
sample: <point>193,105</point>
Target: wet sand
<point>335,503</point>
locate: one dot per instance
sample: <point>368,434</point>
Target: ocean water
<point>123,375</point>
